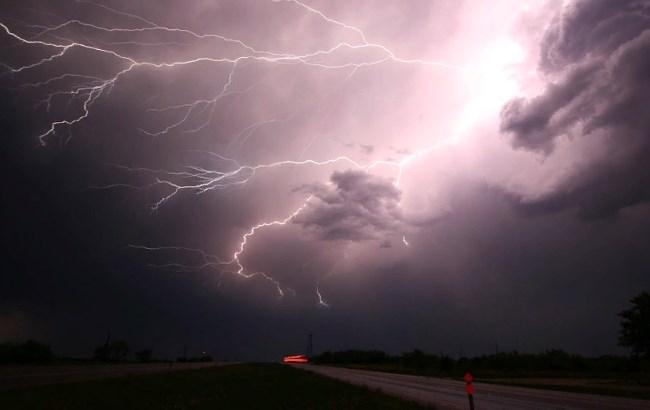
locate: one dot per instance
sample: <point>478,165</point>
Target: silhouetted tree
<point>552,360</point>
<point>144,355</point>
<point>101,353</point>
<point>119,350</point>
<point>635,326</point>
<point>114,351</point>
<point>29,352</point>
<point>202,358</point>
<point>446,364</point>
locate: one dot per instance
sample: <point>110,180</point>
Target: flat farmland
<point>237,386</point>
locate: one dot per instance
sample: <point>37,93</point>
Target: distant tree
<point>202,358</point>
<point>112,352</point>
<point>29,352</point>
<point>101,353</point>
<point>415,359</point>
<point>119,350</point>
<point>635,326</point>
<point>446,364</point>
<point>144,355</point>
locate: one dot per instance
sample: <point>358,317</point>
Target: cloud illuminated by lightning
<point>193,178</point>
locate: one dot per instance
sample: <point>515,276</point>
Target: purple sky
<point>232,175</point>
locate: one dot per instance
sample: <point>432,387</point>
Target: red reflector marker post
<point>469,388</point>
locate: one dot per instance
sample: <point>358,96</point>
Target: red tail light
<point>299,358</point>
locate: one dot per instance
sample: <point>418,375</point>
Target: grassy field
<point>609,384</point>
<point>244,386</point>
<point>609,387</point>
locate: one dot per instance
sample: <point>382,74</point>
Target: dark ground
<point>15,376</point>
<point>631,385</point>
<point>242,386</point>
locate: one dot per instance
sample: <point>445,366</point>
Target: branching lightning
<point>197,179</point>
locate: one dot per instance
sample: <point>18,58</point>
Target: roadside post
<point>469,388</point>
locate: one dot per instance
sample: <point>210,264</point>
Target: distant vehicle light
<point>299,358</point>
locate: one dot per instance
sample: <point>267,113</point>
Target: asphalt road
<point>450,394</point>
<point>23,376</point>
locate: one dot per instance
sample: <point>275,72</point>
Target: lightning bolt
<point>88,89</point>
<point>251,232</point>
<point>213,261</point>
<point>321,300</point>
<point>92,93</point>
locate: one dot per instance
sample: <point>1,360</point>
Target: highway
<point>23,376</point>
<point>450,394</point>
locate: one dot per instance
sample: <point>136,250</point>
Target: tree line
<point>117,351</point>
<point>551,361</point>
<point>634,334</point>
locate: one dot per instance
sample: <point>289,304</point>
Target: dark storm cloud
<point>479,275</point>
<point>591,27</point>
<point>355,206</point>
<point>537,122</point>
<point>597,55</point>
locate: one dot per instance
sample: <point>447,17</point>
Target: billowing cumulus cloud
<point>596,57</point>
<point>354,206</point>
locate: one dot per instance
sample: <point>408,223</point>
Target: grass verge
<point>244,386</point>
<point>636,386</point>
<point>616,388</point>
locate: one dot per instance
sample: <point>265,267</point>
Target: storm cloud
<point>395,189</point>
<point>355,206</point>
<point>596,57</point>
